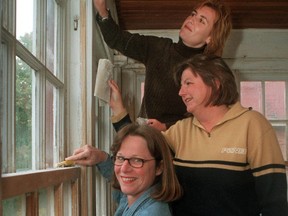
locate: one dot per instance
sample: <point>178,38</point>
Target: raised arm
<point>120,116</point>
<point>100,6</point>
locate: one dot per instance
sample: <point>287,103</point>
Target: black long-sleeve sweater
<point>159,55</point>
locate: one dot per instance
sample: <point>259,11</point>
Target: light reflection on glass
<point>25,22</point>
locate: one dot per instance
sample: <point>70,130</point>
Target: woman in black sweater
<point>205,30</point>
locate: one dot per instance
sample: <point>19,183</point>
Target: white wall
<point>257,48</point>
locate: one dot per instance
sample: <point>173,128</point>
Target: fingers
<point>77,157</point>
<point>152,122</point>
<point>156,124</point>
<point>80,154</point>
<point>88,155</point>
<point>78,151</point>
<point>113,85</point>
<point>80,159</point>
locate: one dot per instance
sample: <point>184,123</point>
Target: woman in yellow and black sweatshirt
<point>227,157</point>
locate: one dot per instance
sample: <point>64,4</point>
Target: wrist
<point>117,117</point>
<point>164,127</point>
<point>103,15</point>
<point>105,156</point>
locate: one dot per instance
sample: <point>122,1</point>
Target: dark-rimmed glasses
<point>133,161</point>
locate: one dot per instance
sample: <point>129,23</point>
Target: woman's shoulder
<point>156,208</point>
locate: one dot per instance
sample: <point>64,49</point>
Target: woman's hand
<point>116,102</point>
<point>156,124</point>
<point>88,156</point>
<point>100,6</point>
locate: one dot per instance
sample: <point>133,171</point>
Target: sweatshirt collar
<point>235,110</point>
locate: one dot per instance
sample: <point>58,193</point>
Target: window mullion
<point>263,83</point>
<point>39,86</point>
<point>58,103</point>
<point>40,30</point>
<point>32,206</point>
<point>8,107</point>
<point>38,120</point>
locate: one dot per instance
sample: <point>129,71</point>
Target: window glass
<point>23,116</point>
<point>14,206</point>
<point>46,202</point>
<point>275,106</point>
<point>281,132</point>
<point>32,104</point>
<point>24,22</point>
<point>251,95</point>
<point>269,98</point>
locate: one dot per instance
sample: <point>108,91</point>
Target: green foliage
<point>24,109</point>
<point>12,206</point>
<point>26,40</point>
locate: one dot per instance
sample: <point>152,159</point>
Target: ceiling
<point>166,14</point>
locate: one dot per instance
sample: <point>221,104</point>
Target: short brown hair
<point>221,28</point>
<point>168,188</point>
<point>215,73</point>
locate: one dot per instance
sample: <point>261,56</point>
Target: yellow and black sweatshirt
<point>236,169</point>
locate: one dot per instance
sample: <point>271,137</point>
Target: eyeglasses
<point>134,162</point>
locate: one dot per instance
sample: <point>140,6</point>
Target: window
<point>32,110</point>
<point>268,95</point>
<point>35,92</point>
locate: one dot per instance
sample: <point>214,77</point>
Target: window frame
<point>263,75</point>
<point>29,183</point>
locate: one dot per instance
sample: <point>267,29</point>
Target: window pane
<point>50,35</point>
<point>46,202</point>
<point>23,115</point>
<point>24,22</point>
<point>275,106</point>
<point>49,124</point>
<point>281,132</point>
<point>14,206</point>
<point>251,95</point>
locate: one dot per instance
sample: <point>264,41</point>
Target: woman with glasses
<point>227,157</point>
<point>144,176</point>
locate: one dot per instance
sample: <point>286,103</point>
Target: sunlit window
<point>270,99</point>
<point>23,116</point>
<point>32,106</point>
<point>25,23</point>
<point>46,201</point>
<point>14,206</point>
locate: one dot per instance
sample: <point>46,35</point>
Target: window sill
<point>15,184</point>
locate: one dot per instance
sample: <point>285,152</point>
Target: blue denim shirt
<point>143,206</point>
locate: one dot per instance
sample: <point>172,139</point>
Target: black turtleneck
<point>159,55</point>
